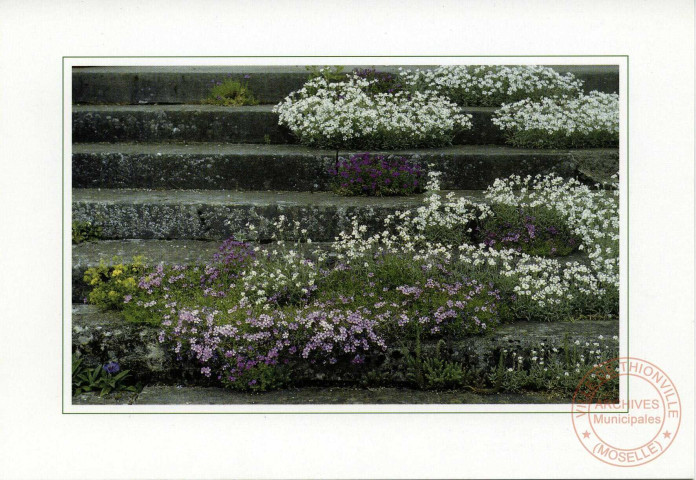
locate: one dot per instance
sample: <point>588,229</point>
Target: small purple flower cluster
<point>528,234</point>
<point>152,280</point>
<point>111,368</point>
<point>455,309</point>
<point>234,252</point>
<point>383,82</point>
<point>366,174</point>
<point>229,258</point>
<point>162,279</point>
<point>210,280</point>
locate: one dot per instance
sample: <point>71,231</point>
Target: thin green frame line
<point>63,73</point>
<point>62,241</point>
<point>338,56</point>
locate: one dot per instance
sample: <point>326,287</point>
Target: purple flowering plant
<point>101,379</point>
<point>247,348</point>
<point>112,368</point>
<point>166,286</point>
<point>535,231</point>
<point>377,175</point>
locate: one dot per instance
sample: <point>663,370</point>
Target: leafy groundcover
<point>390,306</point>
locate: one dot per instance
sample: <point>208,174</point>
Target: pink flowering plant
<point>246,345</point>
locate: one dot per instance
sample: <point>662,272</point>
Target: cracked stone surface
<point>290,167</point>
<point>216,215</point>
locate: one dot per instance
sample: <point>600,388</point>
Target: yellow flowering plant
<point>111,284</point>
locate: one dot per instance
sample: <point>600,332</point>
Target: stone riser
<point>102,337</point>
<point>216,215</point>
<point>209,123</point>
<point>176,85</point>
<point>270,167</point>
<point>180,123</point>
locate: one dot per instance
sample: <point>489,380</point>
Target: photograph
<point>347,240</point>
<point>343,234</point>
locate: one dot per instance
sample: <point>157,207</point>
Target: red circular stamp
<point>630,432</point>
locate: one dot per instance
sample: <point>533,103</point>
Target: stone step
<point>177,123</point>
<point>169,252</point>
<point>285,167</point>
<point>269,84</point>
<point>99,337</point>
<point>219,214</point>
<point>213,123</point>
<point>332,395</point>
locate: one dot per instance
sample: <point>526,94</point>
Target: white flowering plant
<point>492,85</point>
<point>348,114</point>
<point>559,369</point>
<point>585,121</point>
<point>538,287</point>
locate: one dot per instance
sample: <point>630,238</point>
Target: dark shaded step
<point>269,84</point>
<point>177,123</point>
<point>212,123</point>
<point>284,167</point>
<point>219,214</point>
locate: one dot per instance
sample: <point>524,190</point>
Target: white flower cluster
<point>485,85</point>
<point>595,112</point>
<point>591,214</point>
<point>539,282</point>
<point>343,114</point>
<point>284,269</point>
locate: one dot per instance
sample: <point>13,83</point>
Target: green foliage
<point>261,378</point>
<point>85,232</point>
<point>557,370</point>
<point>330,74</point>
<point>540,138</point>
<point>434,372</point>
<point>335,74</point>
<point>441,373</point>
<point>386,273</point>
<point>447,234</point>
<point>111,284</point>
<point>99,380</point>
<point>230,93</point>
<point>537,230</point>
<point>188,286</point>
